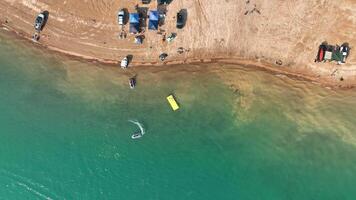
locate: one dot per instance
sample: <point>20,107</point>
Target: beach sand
<point>252,33</point>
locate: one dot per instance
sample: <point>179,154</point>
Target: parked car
<point>321,53</point>
<point>344,49</point>
<point>180,20</point>
<point>121,17</point>
<point>39,22</point>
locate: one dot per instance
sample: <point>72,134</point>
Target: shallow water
<point>240,133</point>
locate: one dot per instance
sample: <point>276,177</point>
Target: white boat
<point>140,133</point>
<point>124,63</point>
<point>136,135</point>
<point>121,17</point>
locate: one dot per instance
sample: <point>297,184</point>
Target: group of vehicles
<point>336,53</point>
<point>135,20</point>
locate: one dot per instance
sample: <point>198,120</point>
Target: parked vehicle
<point>39,22</point>
<point>345,50</point>
<point>180,20</point>
<point>321,53</point>
<point>121,17</point>
<point>330,53</point>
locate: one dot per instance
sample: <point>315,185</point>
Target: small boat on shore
<point>124,63</point>
<point>132,83</point>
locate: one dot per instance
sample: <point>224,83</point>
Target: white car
<point>39,22</point>
<point>344,50</point>
<point>124,63</point>
<point>120,17</point>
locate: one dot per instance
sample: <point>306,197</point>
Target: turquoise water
<point>240,134</point>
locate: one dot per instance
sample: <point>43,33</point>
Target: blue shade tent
<point>134,23</point>
<point>153,20</point>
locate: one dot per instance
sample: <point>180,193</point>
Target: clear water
<point>240,133</point>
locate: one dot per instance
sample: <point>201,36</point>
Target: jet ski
<point>140,133</point>
<point>136,135</point>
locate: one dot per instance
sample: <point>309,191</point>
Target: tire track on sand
<point>200,13</point>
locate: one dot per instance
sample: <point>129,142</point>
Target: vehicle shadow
<point>46,15</point>
<point>126,15</point>
<point>184,13</point>
<point>129,59</point>
<point>162,10</point>
<point>142,12</point>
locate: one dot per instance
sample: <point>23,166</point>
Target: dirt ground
<point>262,31</point>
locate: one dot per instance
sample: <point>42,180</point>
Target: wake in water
<point>41,191</point>
<point>139,125</point>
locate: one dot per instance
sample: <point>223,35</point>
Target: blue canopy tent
<point>153,20</point>
<point>134,23</point>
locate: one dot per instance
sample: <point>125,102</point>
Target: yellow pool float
<point>173,102</point>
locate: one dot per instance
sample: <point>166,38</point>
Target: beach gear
<point>172,102</point>
<point>153,20</point>
<point>134,23</point>
<point>124,63</point>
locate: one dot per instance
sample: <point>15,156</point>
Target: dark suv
<point>180,20</point>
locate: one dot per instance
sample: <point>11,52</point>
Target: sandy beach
<point>252,33</point>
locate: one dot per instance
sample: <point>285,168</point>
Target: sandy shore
<point>252,33</point>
